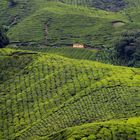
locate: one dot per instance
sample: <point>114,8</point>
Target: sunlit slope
<point>115,129</point>
<point>46,93</point>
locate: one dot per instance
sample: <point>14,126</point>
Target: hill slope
<point>61,23</point>
<point>115,129</point>
<point>39,96</point>
<point>49,91</point>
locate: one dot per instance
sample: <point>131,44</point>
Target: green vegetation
<point>125,52</point>
<point>52,91</point>
<point>114,129</point>
<point>58,23</point>
<point>64,23</point>
<point>128,48</point>
<point>39,96</point>
<point>3,39</point>
<point>75,53</point>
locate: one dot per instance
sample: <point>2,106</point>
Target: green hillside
<point>114,129</point>
<point>61,24</point>
<point>40,97</point>
<point>3,39</point>
<point>50,90</point>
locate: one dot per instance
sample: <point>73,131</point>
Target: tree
<point>128,48</point>
<point>3,39</point>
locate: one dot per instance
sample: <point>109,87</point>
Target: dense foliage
<point>110,5</point>
<point>3,39</point>
<point>39,96</point>
<point>128,48</point>
<point>124,129</point>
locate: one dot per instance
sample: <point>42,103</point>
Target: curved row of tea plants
<point>115,129</point>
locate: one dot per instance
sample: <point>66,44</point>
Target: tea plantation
<point>62,23</point>
<point>50,90</point>
<point>45,93</point>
